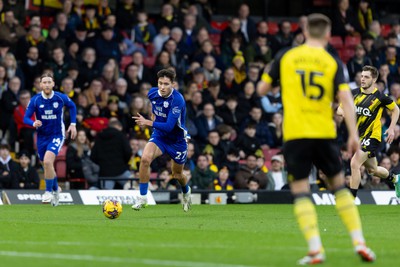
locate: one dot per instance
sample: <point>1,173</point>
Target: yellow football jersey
<point>309,78</point>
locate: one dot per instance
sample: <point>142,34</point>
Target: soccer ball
<point>112,208</point>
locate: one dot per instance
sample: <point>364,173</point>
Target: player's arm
<point>72,111</point>
<point>394,118</point>
<point>28,114</point>
<point>271,74</point>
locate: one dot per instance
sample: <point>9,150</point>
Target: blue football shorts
<point>51,143</point>
<point>177,150</point>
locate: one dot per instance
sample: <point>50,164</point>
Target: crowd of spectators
<point>105,59</point>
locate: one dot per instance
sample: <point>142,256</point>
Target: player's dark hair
<point>47,74</point>
<point>374,71</point>
<point>318,25</point>
<point>169,73</point>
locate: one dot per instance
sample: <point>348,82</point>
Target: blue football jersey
<point>50,112</point>
<point>170,113</point>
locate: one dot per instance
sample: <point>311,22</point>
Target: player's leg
<point>150,152</point>
<point>298,157</point>
<point>328,161</point>
<point>177,173</point>
<point>47,197</point>
<point>53,148</point>
<point>356,162</point>
<point>49,174</point>
<point>372,167</point>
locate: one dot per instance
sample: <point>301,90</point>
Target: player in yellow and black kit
<point>370,104</point>
<point>310,81</point>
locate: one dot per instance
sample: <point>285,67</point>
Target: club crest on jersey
<point>55,104</point>
<point>166,104</point>
<point>176,110</point>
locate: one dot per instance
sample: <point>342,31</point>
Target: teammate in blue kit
<point>48,108</point>
<point>169,136</point>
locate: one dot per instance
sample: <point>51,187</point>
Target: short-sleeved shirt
<point>310,78</point>
<point>369,108</point>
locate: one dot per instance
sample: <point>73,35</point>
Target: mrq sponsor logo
<point>328,199</point>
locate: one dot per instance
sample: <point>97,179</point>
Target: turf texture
<point>163,235</point>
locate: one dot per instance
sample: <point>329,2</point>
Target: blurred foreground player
<point>310,79</point>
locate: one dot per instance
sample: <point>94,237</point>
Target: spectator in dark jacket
<point>8,167</point>
<point>26,176</point>
<point>248,170</point>
<point>112,152</point>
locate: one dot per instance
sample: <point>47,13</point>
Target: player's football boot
<point>397,186</point>
<point>56,197</point>
<point>141,202</point>
<point>187,200</point>
<point>365,253</point>
<point>315,257</point>
<point>47,197</point>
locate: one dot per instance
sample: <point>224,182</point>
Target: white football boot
<point>141,202</point>
<point>47,197</point>
<point>56,197</point>
<point>187,200</point>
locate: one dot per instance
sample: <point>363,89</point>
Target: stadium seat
<point>219,25</point>
<point>78,181</point>
<point>60,164</point>
<point>125,61</point>
<point>385,29</point>
<point>149,61</point>
<point>215,38</point>
<point>336,42</point>
<point>351,41</point>
<point>346,53</point>
<point>150,49</point>
<point>295,26</point>
<point>273,27</point>
<point>269,153</point>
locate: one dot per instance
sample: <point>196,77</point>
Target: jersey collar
<point>158,92</point>
<point>373,91</point>
<point>46,97</point>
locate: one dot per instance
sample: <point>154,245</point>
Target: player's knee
<point>47,163</point>
<point>354,164</point>
<point>177,176</point>
<point>145,160</point>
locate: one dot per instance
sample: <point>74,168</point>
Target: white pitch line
<point>86,257</point>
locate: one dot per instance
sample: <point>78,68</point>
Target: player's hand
<point>390,135</point>
<point>353,144</point>
<point>72,131</point>
<point>37,124</point>
<point>139,119</point>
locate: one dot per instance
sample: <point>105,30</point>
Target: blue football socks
<point>143,188</point>
<point>185,189</point>
<point>55,184</point>
<point>49,184</point>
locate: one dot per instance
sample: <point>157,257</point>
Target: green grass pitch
<point>163,235</point>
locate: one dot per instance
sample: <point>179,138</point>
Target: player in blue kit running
<point>169,136</point>
<point>48,108</point>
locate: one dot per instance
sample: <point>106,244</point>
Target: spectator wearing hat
<point>26,176</point>
<point>222,182</point>
<point>367,40</point>
<point>92,23</point>
<point>106,46</point>
<point>53,40</point>
<point>239,68</point>
<point>277,175</point>
<point>81,38</point>
<point>364,14</point>
<point>8,167</point>
<point>250,169</point>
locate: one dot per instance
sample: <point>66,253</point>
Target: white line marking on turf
<point>83,257</point>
